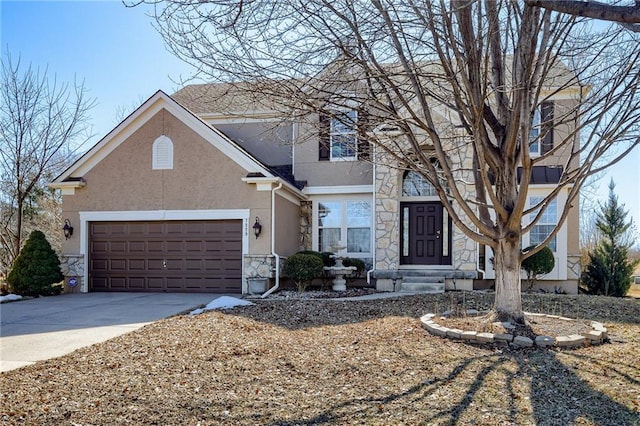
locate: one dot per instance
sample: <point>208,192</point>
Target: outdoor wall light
<point>67,229</point>
<point>257,227</point>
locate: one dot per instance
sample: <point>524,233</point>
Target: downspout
<point>273,242</point>
<point>373,266</point>
<point>480,269</point>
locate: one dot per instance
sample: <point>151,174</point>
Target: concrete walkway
<point>47,327</point>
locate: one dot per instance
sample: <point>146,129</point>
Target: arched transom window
<point>415,185</point>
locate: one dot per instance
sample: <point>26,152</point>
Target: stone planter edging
<point>596,336</point>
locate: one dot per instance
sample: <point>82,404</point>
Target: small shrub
<point>36,268</point>
<point>302,267</point>
<point>358,263</point>
<point>540,263</point>
<point>328,259</point>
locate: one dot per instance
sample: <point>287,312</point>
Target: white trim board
<point>337,190</point>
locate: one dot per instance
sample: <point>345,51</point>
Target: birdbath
<point>339,271</point>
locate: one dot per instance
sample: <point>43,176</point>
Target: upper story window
<point>343,136</point>
<point>340,136</point>
<point>541,135</point>
<point>534,145</point>
<point>162,154</point>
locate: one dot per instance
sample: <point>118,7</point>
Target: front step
<point>430,284</point>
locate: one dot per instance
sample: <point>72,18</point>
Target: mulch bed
<point>314,362</point>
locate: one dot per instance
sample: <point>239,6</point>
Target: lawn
<point>314,362</point>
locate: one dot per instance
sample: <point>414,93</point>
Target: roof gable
<point>136,120</point>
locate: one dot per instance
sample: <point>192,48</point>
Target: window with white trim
<point>534,135</point>
<point>343,136</point>
<point>541,134</point>
<point>545,225</point>
<point>345,223</point>
<point>162,154</point>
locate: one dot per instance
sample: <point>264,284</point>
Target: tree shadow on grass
<point>556,396</point>
<point>298,314</point>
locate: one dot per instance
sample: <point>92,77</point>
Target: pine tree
<point>36,269</point>
<point>609,271</point>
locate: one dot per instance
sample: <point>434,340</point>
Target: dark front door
<point>424,234</point>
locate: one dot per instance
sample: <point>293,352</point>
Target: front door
<point>424,234</point>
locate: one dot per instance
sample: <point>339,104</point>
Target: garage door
<point>171,256</point>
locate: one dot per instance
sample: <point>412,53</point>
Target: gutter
<point>273,241</point>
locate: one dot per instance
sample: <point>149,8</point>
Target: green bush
<point>36,268</point>
<point>610,271</point>
<point>302,267</point>
<point>328,259</point>
<point>326,256</point>
<point>358,263</point>
<point>540,263</point>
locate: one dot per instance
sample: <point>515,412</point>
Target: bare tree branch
<point>39,120</point>
<point>460,82</point>
<point>627,16</point>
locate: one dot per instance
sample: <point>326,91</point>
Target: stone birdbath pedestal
<point>339,271</point>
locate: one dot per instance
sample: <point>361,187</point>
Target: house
<point>205,189</point>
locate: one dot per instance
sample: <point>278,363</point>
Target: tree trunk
<point>17,242</point>
<point>508,303</point>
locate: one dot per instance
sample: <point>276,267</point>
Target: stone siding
<point>72,265</point>
<point>306,225</point>
<point>388,187</point>
<point>259,266</point>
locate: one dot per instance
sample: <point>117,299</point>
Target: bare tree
<point>450,90</point>
<point>39,120</point>
<point>626,15</point>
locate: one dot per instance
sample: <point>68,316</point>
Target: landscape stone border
<point>596,336</point>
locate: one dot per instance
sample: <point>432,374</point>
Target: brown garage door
<point>171,256</point>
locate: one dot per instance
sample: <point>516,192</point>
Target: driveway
<point>47,327</point>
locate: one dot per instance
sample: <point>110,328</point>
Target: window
<point>545,225</point>
<point>162,154</point>
<point>541,135</point>
<point>343,137</point>
<point>345,218</point>
<point>415,185</point>
<point>534,145</point>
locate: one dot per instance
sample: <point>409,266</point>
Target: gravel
<point>315,362</point>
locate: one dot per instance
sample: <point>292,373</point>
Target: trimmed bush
<point>302,268</point>
<point>36,268</point>
<point>540,263</point>
<point>327,260</point>
<point>358,263</point>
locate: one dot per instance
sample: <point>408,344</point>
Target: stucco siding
<point>202,177</point>
<point>269,142</point>
<point>287,227</point>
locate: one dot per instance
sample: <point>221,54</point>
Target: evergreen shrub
<point>36,268</point>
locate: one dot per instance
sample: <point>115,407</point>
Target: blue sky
<point>123,61</point>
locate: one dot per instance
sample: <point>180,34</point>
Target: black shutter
<point>324,149</point>
<point>364,147</point>
<point>546,118</point>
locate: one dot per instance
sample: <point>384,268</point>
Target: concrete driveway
<point>47,327</point>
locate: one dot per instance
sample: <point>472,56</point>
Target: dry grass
<point>311,362</point>
<point>634,291</point>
